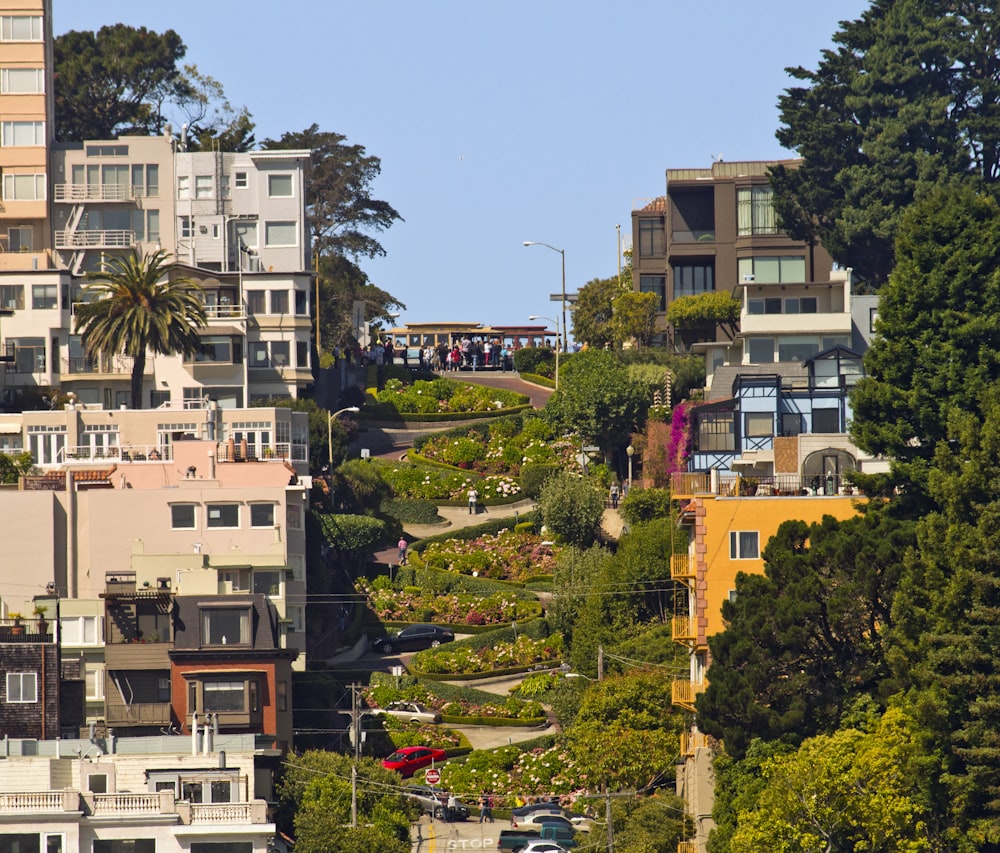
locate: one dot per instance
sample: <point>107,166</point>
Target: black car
<point>413,638</point>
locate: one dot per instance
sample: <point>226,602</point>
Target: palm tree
<point>131,306</point>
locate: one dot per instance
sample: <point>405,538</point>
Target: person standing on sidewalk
<point>403,544</point>
<point>473,501</point>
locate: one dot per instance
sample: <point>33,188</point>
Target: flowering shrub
<point>505,556</point>
<point>392,605</point>
<point>446,395</point>
<point>416,481</point>
<point>380,695</point>
<point>680,438</point>
<point>462,659</point>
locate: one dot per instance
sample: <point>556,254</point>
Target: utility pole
<point>600,663</point>
<point>607,818</point>
<point>356,725</point>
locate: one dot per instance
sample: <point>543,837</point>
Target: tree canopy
<point>905,101</point>
<point>593,315</point>
<point>714,308</point>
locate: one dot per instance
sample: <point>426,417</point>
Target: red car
<point>408,759</point>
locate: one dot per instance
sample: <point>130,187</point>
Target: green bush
<point>412,510</point>
<point>525,527</point>
<point>530,359</point>
<point>533,477</point>
<point>645,505</point>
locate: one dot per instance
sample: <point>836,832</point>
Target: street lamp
<point>565,342</point>
<point>329,430</point>
<point>629,451</point>
<point>556,321</point>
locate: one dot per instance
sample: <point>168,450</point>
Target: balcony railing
<point>94,192</point>
<point>121,805</point>
<point>683,693</point>
<point>130,453</point>
<point>705,236</point>
<point>735,485</point>
<point>222,813</point>
<point>681,567</point>
<point>108,239</point>
<point>692,740</point>
<point>261,453</point>
<point>120,365</point>
<point>36,801</point>
<point>684,629</point>
<point>138,714</point>
<point>28,629</point>
<point>225,312</point>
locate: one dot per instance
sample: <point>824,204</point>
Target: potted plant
<point>16,618</point>
<point>43,623</point>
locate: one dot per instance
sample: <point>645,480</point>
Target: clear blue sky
<point>502,122</point>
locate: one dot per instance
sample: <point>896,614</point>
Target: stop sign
<point>432,776</point>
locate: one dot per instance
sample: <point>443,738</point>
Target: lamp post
<point>565,342</point>
<point>556,321</point>
<point>329,430</point>
<point>630,451</point>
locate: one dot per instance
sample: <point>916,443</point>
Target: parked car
<point>544,805</point>
<point>515,839</point>
<point>412,712</point>
<point>542,846</point>
<point>537,819</point>
<point>413,638</point>
<point>434,801</point>
<point>407,760</point>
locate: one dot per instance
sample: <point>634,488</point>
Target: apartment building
<point>202,794</point>
<point>26,128</point>
<point>716,229</point>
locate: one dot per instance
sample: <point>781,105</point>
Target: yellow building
<point>727,535</point>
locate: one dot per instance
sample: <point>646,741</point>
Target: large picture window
<point>651,238</point>
<point>22,81</point>
<point>755,211</point>
<point>223,515</point>
<point>24,187</point>
<point>21,28</point>
<point>224,696</point>
<point>758,424</point>
<point>279,186</point>
<point>744,545</point>
<point>18,133</point>
<point>280,234</point>
<point>692,279</point>
<point>224,626</point>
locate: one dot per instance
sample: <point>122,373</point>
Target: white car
<point>412,712</point>
<point>560,817</point>
<point>537,845</point>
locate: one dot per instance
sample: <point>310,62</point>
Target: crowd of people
<point>467,354</point>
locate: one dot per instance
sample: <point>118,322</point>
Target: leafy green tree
<point>593,313</point>
<point>642,568</point>
<point>844,792</point>
<point>717,308</point>
<point>572,507</point>
<point>599,400</point>
<point>577,570</point>
<point>626,734</point>
<point>314,805</point>
<point>14,466</point>
<point>134,306</point>
<point>634,318</point>
<point>645,505</point>
<point>807,636</point>
<point>213,124</point>
<point>938,348</point>
<point>654,824</point>
<point>358,487</point>
<point>114,81</point>
<point>905,101</point>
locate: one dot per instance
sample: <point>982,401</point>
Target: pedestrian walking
<point>403,544</point>
<point>473,501</point>
<point>614,494</point>
<point>452,807</point>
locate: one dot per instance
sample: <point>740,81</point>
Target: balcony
<point>139,713</point>
<point>681,567</point>
<point>701,236</point>
<point>114,453</point>
<point>224,312</point>
<point>75,193</point>
<point>232,452</point>
<point>100,365</point>
<point>684,630</point>
<point>39,802</point>
<point>692,740</point>
<point>683,694</point>
<point>727,484</point>
<point>28,629</point>
<point>110,239</point>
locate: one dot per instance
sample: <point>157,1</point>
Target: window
<point>657,285</point>
<point>790,269</point>
<point>279,186</point>
<point>223,515</point>
<point>744,545</point>
<point>28,355</point>
<point>80,630</point>
<point>184,226</point>
<point>651,239</point>
<point>12,296</point>
<point>221,847</point>
<point>117,845</point>
<point>791,423</point>
<point>758,424</point>
<point>755,211</point>
<point>279,301</point>
<point>258,354</point>
<point>797,347</point>
<point>267,583</point>
<point>279,234</point>
<point>224,190</point>
<point>716,431</point>
<point>240,180</point>
<point>256,302</point>
<point>761,350</point>
<point>15,133</point>
<point>21,239</point>
<point>217,349</point>
<point>280,353</point>
<point>203,186</point>
<point>826,420</point>
<point>21,28</point>
<point>222,626</point>
<point>24,187</point>
<point>95,684</point>
<point>183,186</point>
<point>302,304</point>
<point>262,515</point>
<point>22,81</point>
<point>107,151</point>
<point>293,516</point>
<point>152,225</point>
<point>182,517</point>
<point>22,687</point>
<point>302,353</point>
<point>282,691</point>
<point>692,279</point>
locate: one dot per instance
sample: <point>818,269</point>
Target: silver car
<point>412,712</point>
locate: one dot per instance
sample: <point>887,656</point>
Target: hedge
<point>483,430</point>
<point>412,510</point>
<point>441,581</point>
<point>490,527</point>
<point>376,411</point>
<point>535,379</point>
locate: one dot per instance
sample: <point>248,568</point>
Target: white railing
<point>93,192</point>
<point>129,453</point>
<point>222,813</point>
<point>225,312</point>
<point>31,801</point>
<point>126,804</point>
<point>109,239</point>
